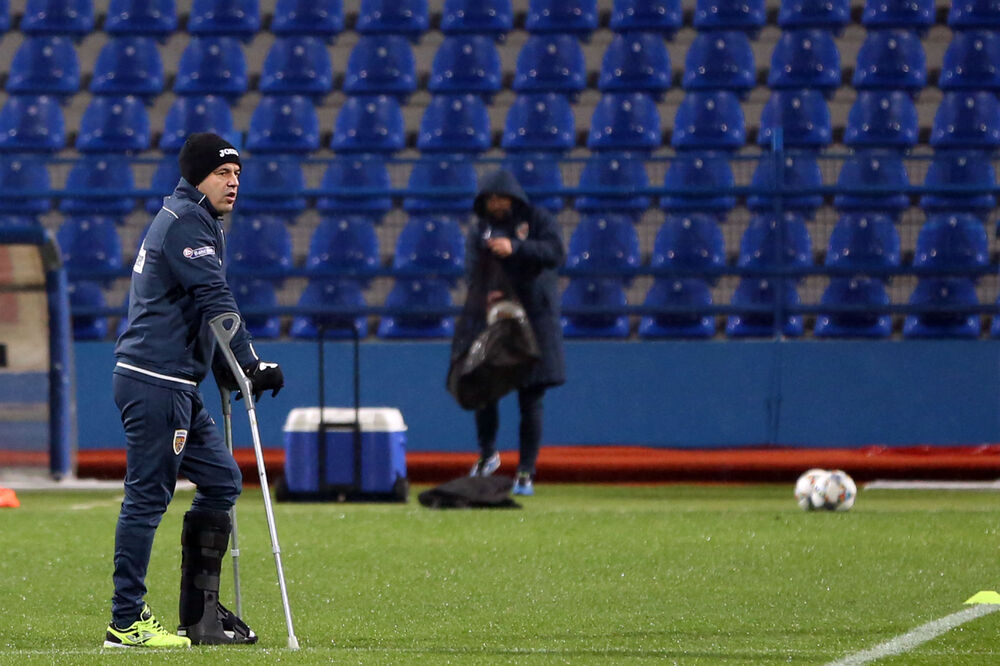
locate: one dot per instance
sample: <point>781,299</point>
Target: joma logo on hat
<point>228,151</point>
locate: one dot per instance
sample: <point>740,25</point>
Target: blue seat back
<point>688,292</point>
<point>621,179</point>
<point>943,292</point>
<point>862,241</point>
<point>830,15</point>
<point>320,18</point>
<point>882,173</point>
<point>772,240</point>
<point>188,115</point>
<point>128,66</point>
<point>284,124</point>
<point>369,124</point>
<point>709,121</point>
<point>250,293</point>
<point>949,241</point>
<point>445,185</point>
<point>212,65</point>
<point>882,119</point>
<point>410,18</point>
<point>763,291</point>
<point>89,243</point>
<point>333,293</point>
<point>967,120</point>
<point>540,176</point>
<point>699,181</point>
<point>795,171</point>
<point>455,124</point>
<point>381,65</point>
<point>19,173</point>
<point>551,63</point>
<point>19,222</point>
<point>915,15</point>
<point>636,62</point>
<point>960,169</point>
<point>272,184</point>
<point>31,123</point>
<point>805,58</point>
<point>972,14</point>
<point>148,18</point>
<point>970,63</point>
<point>604,242</point>
<point>297,65</point>
<point>856,290</point>
<point>345,176</point>
<point>575,17</point>
<point>891,60</point>
<point>720,61</point>
<point>539,122</point>
<point>114,124</point>
<point>88,294</point>
<point>432,243</point>
<point>693,241</point>
<point>344,244</point>
<point>44,65</point>
<point>746,15</point>
<point>591,292</point>
<point>230,18</point>
<point>58,17</point>
<point>4,15</point>
<point>165,179</point>
<point>465,64</point>
<point>493,18</point>
<point>663,16</point>
<point>418,293</point>
<point>260,245</point>
<point>803,116</point>
<point>98,181</point>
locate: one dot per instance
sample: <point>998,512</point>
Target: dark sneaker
<point>523,484</point>
<point>486,466</point>
<point>145,632</point>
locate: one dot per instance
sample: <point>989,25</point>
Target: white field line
<point>916,637</point>
<point>932,485</point>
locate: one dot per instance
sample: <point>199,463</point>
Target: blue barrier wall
<point>672,394</point>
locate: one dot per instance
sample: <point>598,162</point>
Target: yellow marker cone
<point>985,597</point>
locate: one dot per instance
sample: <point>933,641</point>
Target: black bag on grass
<point>471,492</point>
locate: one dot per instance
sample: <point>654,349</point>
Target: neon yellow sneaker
<point>144,632</point>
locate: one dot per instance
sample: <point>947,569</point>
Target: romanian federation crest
<point>180,437</point>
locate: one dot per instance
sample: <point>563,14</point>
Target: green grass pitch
<point>580,575</point>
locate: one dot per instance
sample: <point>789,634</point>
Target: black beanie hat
<point>202,154</point>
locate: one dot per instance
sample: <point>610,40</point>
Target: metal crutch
<point>227,427</point>
<point>224,327</point>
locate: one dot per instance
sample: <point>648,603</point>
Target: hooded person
<point>525,243</point>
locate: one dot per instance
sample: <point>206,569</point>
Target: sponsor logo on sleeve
<point>140,260</point>
<point>194,253</point>
<point>180,438</point>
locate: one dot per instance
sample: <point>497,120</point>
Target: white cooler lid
<point>373,419</point>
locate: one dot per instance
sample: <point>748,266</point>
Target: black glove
<point>223,375</point>
<point>264,376</point>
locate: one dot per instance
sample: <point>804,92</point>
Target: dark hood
<point>499,182</point>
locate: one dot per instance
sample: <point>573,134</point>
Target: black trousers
<point>529,401</point>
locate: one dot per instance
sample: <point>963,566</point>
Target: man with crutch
<point>178,286</point>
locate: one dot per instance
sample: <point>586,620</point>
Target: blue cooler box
<point>383,452</point>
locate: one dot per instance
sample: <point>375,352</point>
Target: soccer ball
<point>806,486</point>
<point>835,492</point>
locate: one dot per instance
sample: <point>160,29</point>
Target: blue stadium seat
<point>129,66</point>
<point>574,17</point>
<point>604,243</point>
<point>540,122</point>
<point>229,18</point>
<point>960,169</point>
<point>854,291</point>
<point>799,170</point>
<point>188,115</point>
<point>883,174</point>
<point>381,65</point>
<point>692,241</point>
<point>974,15</point>
<point>720,61</point>
<point>636,62</point>
<point>709,121</point>
<point>114,124</point>
<point>260,246</point>
<point>45,65</point>
<point>699,181</point>
<point>58,17</point>
<point>746,15</point>
<point>297,65</point>
<point>90,243</point>
<point>86,294</point>
<point>19,173</point>
<point>250,293</point>
<point>620,176</point>
<point>882,119</point>
<point>465,64</point>
<point>212,66</point>
<point>917,15</point>
<point>141,18</point>
<point>830,15</point>
<point>864,241</point>
<point>369,124</point>
<point>493,18</point>
<point>409,18</point>
<point>594,292</point>
<point>625,122</point>
<point>540,176</point>
<point>319,18</point>
<point>773,240</point>
<point>278,175</point>
<point>802,114</point>
<point>952,241</point>
<point>345,245</point>
<point>4,15</point>
<point>31,123</point>
<point>446,185</point>
<point>661,16</point>
<point>455,124</point>
<point>551,63</point>
<point>418,293</point>
<point>98,181</point>
<point>430,243</point>
<point>687,292</point>
<point>345,176</point>
<point>330,293</point>
<point>165,179</point>
<point>763,292</point>
<point>13,221</point>
<point>972,62</point>
<point>284,124</point>
<point>805,59</point>
<point>967,120</point>
<point>949,292</point>
<point>891,60</point>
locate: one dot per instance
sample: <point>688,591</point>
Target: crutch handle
<point>224,327</point>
